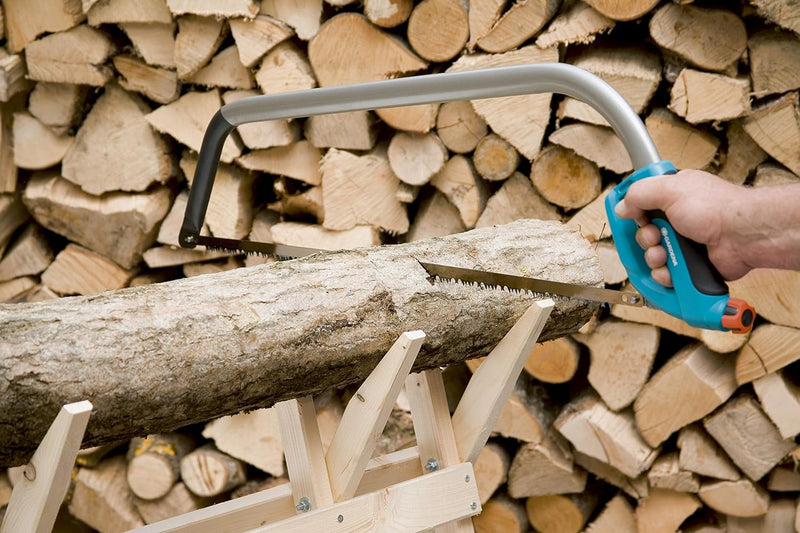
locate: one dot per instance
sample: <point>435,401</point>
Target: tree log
<point>157,357</point>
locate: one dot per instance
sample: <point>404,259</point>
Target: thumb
<point>658,192</point>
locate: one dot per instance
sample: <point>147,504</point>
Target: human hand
<point>701,207</point>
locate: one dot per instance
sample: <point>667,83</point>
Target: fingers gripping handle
<point>700,296</point>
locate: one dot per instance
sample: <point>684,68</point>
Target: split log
<point>591,221</point>
<point>16,289</point>
<point>701,455</point>
<point>256,37</point>
<point>780,400</point>
<point>736,498</point>
<point>703,96</point>
<point>521,120</point>
<point>742,156</point>
<point>302,15</point>
<point>748,436</point>
<point>522,21</point>
<point>693,383</point>
<point>784,479</point>
<point>616,517</point>
<point>348,49</point>
<point>436,217</point>
<point>77,270</point>
<point>307,204</point>
<point>495,159</point>
<point>158,84</point>
<point>56,105</point>
<point>298,160</point>
<point>29,254</point>
<point>780,516</point>
<point>227,338</point>
<point>770,348</point>
<point>348,131</point>
<point>198,39</point>
<point>154,42</point>
<point>438,29</point>
<point>553,361</point>
<point>635,73</point>
<point>252,437</point>
<point>663,511</point>
<point>544,468</point>
<point>35,145</point>
<point>623,10</point>
<point>635,487</point>
<point>25,20</point>
<point>693,34</point>
<point>102,499</point>
<point>116,149</point>
<point>491,470</point>
<point>784,15</point>
<point>565,178</point>
<point>8,170</point>
<point>285,68</point>
<point>580,24</point>
<point>772,66</point>
<point>417,118</point>
<point>130,220</point>
<point>267,133</point>
<point>515,200</point>
<point>459,127</point>
<point>596,143</point>
<point>561,513</point>
<point>154,463</point>
<point>74,56</point>
<point>666,473</point>
<point>214,8</point>
<point>772,292</point>
<point>388,13</point>
<point>595,430</point>
<point>211,267</point>
<point>459,182</point>
<point>361,190</point>
<point>116,11</point>
<point>170,256</point>
<point>416,157</point>
<point>186,119</point>
<point>208,472</point>
<point>770,174</point>
<point>614,271</point>
<point>622,355</point>
<point>224,70</point>
<point>12,216</point>
<point>677,141</point>
<point>13,74</point>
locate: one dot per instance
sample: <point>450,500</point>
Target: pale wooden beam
<point>493,381</point>
<point>38,495</point>
<point>305,459</point>
<point>366,415</point>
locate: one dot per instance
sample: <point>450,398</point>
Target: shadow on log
<point>157,357</point>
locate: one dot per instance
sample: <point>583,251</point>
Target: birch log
<point>157,357</point>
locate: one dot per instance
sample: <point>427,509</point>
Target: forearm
<point>764,225</point>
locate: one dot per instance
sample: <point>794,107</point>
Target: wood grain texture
<point>262,331</point>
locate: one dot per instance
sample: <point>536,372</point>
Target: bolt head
<point>340,518</point>
<point>473,506</point>
<point>432,465</point>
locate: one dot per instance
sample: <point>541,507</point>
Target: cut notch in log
<point>390,293</point>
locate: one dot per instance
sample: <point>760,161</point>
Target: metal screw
<point>30,472</point>
<point>304,505</point>
<point>473,506</point>
<point>189,239</point>
<point>634,298</point>
<point>340,518</point>
<point>432,465</point>
<point>466,478</point>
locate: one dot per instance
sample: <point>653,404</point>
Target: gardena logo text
<point>671,252</point>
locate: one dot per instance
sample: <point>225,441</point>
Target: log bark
<point>183,348</point>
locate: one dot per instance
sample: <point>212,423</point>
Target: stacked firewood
<point>637,423</point>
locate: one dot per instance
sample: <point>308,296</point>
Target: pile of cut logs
<point>636,423</point>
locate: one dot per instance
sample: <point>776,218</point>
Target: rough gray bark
<point>153,358</point>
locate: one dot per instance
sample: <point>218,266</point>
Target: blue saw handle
<point>700,295</point>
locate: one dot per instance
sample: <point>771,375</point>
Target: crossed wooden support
<point>431,485</point>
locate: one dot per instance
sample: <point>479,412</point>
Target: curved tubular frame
<point>431,88</point>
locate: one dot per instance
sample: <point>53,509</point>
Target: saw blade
<point>543,286</point>
<point>282,251</point>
